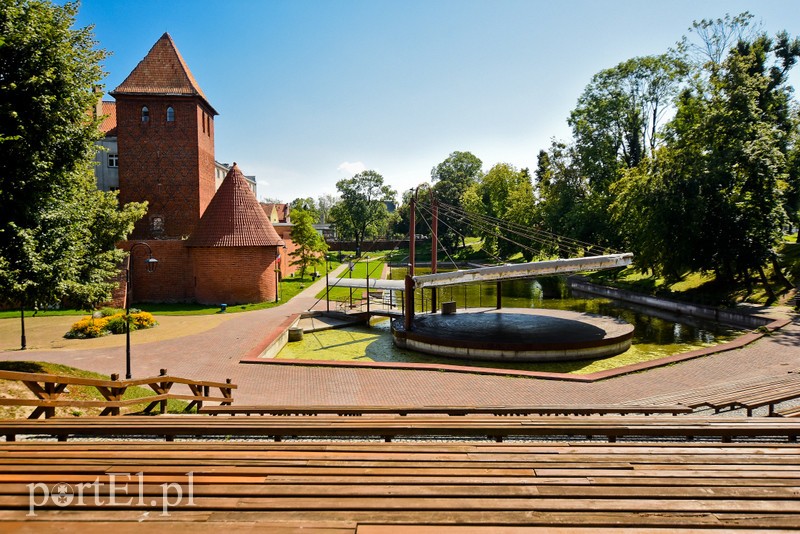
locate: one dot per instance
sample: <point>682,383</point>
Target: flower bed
<point>109,322</point>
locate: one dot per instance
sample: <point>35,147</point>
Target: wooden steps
<point>748,394</point>
<point>390,488</point>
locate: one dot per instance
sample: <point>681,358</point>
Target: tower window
<point>113,160</point>
<point>204,122</point>
<point>170,114</point>
<point>145,114</point>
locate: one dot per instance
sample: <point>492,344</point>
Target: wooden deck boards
<point>389,488</point>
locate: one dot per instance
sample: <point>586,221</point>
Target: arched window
<point>170,114</point>
<point>145,114</point>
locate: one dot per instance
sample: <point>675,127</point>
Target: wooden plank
<point>136,527</point>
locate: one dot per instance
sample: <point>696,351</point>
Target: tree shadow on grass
<point>22,367</point>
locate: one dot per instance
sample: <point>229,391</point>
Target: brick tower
<point>234,248</point>
<point>165,132</point>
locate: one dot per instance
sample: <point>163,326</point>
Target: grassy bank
<point>705,288</point>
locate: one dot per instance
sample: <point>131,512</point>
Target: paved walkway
<point>215,354</point>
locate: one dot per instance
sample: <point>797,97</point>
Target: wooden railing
<point>48,389</point>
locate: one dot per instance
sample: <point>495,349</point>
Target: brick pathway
<point>215,355</point>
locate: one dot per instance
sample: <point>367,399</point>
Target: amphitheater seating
<point>747,394</point>
<point>391,427</point>
<point>394,488</point>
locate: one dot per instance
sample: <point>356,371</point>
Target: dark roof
<point>234,218</point>
<point>109,124</point>
<point>162,72</point>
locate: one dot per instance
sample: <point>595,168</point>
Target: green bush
<point>116,324</point>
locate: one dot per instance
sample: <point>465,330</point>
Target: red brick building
<point>211,248</point>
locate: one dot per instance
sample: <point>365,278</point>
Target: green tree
<point>51,246</point>
<point>617,119</point>
<point>504,200</point>
<point>451,179</point>
<point>306,204</point>
<point>324,205</point>
<point>310,247</point>
<point>713,198</point>
<point>361,210</point>
<point>563,207</point>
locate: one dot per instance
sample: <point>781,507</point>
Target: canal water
<point>656,333</point>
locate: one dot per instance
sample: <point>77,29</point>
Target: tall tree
<point>310,248</point>
<point>451,179</point>
<point>713,198</point>
<point>50,244</point>
<point>324,205</point>
<point>361,210</point>
<point>617,119</point>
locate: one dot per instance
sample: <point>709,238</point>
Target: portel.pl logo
<point>121,490</point>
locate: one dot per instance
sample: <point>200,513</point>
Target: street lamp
<point>150,265</point>
<point>278,273</point>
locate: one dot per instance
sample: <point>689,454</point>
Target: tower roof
<point>234,218</point>
<point>162,72</point>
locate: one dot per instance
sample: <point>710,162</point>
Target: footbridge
<point>510,271</point>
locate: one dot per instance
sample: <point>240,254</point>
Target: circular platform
<point>515,334</point>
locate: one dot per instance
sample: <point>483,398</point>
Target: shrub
<point>143,320</point>
<point>116,324</point>
<point>89,327</point>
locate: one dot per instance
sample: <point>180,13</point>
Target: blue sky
<point>312,91</point>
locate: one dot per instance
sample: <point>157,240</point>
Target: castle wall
<point>172,280</point>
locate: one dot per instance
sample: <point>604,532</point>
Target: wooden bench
<point>389,427</point>
<point>356,411</point>
<point>48,389</point>
<point>392,488</point>
<point>766,393</point>
<point>794,411</point>
<point>749,394</point>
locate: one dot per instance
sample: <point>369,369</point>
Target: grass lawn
<point>376,264</point>
<point>14,314</point>
<point>15,389</point>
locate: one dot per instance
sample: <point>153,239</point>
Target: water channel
<point>657,334</point>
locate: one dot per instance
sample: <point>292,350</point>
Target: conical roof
<point>234,218</point>
<point>162,72</point>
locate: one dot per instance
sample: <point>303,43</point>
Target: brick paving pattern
<point>215,355</point>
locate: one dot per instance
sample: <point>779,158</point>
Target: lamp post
<point>278,273</point>
<point>150,265</point>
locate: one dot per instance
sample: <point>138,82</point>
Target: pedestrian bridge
<point>509,271</point>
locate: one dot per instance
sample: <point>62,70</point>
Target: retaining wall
<point>731,317</point>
